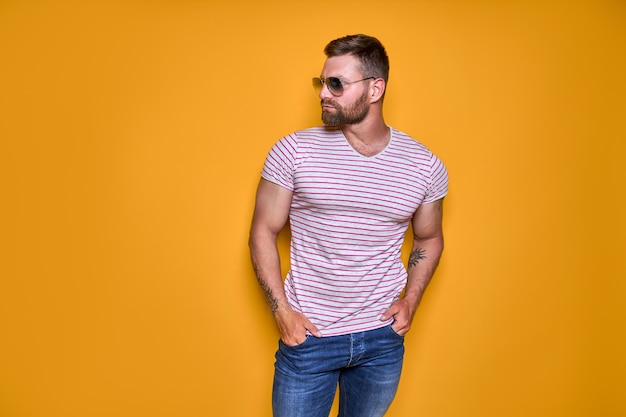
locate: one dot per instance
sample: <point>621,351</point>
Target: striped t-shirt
<point>348,217</point>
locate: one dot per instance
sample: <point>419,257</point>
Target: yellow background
<point>133,134</point>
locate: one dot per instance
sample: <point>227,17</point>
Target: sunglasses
<point>334,84</point>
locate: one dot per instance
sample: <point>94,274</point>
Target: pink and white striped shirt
<point>349,214</point>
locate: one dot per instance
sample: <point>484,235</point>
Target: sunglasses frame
<point>335,90</point>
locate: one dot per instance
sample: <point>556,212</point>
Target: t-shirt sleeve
<point>438,184</point>
<point>280,163</point>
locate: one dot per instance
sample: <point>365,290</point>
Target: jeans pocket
<point>294,346</point>
<point>401,336</point>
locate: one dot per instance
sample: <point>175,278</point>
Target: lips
<point>326,105</point>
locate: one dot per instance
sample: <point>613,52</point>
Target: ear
<point>377,90</point>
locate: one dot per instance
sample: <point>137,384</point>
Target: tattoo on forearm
<point>268,292</point>
<point>416,256</point>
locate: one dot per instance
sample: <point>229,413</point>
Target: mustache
<point>326,102</point>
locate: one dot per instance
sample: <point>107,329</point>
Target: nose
<point>325,92</point>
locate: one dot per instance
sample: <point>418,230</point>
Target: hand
<point>293,327</point>
<point>402,312</point>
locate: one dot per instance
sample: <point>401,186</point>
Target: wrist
<point>412,299</point>
<point>280,308</point>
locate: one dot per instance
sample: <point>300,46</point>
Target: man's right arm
<point>271,212</point>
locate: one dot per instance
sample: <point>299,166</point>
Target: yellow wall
<point>132,136</point>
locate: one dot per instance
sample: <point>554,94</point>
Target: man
<point>349,189</point>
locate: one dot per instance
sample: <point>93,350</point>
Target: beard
<point>351,114</point>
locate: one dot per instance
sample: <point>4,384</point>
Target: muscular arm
<point>423,261</point>
<point>270,216</point>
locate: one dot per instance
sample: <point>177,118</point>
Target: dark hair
<point>367,49</point>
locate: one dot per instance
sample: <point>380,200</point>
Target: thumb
<point>313,329</point>
<point>391,311</point>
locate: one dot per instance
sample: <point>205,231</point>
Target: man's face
<point>352,106</point>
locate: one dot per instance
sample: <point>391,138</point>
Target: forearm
<point>266,263</point>
<point>423,262</point>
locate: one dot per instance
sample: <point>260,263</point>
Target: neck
<point>368,137</point>
<point>369,131</point>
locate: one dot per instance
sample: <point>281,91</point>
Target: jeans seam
<point>351,349</point>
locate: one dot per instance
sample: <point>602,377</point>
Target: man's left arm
<point>423,260</point>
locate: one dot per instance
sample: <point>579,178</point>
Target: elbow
<point>259,237</point>
<point>253,238</point>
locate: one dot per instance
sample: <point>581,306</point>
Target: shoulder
<point>410,149</point>
<point>296,146</point>
<point>310,135</point>
<point>317,133</point>
<point>408,143</point>
<point>416,154</point>
<point>309,141</point>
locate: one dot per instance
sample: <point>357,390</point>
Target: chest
<point>385,190</point>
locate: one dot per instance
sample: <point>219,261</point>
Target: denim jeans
<point>366,366</point>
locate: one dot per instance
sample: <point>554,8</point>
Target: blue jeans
<point>366,366</point>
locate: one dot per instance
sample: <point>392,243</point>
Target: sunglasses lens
<point>317,84</point>
<point>334,85</point>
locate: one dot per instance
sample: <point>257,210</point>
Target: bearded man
<point>349,190</point>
